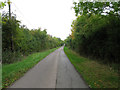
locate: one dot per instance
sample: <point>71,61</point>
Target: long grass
<point>95,74</point>
<point>12,72</point>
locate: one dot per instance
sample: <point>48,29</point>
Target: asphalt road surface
<point>54,71</point>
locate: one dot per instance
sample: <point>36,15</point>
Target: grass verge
<point>0,76</point>
<point>12,72</point>
<point>95,74</point>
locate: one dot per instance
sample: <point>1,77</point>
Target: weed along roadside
<point>95,74</point>
<point>12,72</point>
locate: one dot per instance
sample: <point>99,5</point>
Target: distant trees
<point>96,35</point>
<point>18,40</point>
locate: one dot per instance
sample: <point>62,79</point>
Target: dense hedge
<point>18,40</point>
<point>96,36</point>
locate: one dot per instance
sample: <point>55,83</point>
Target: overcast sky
<point>54,15</point>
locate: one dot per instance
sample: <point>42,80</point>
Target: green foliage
<point>68,41</point>
<point>84,8</point>
<point>19,39</point>
<point>2,4</point>
<point>97,36</point>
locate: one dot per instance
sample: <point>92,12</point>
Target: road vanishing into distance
<point>54,71</point>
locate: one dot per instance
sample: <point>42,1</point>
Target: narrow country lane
<point>54,71</point>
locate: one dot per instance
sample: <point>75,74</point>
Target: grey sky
<point>54,15</point>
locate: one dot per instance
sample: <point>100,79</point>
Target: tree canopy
<point>95,34</point>
<point>83,8</point>
<point>18,38</point>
